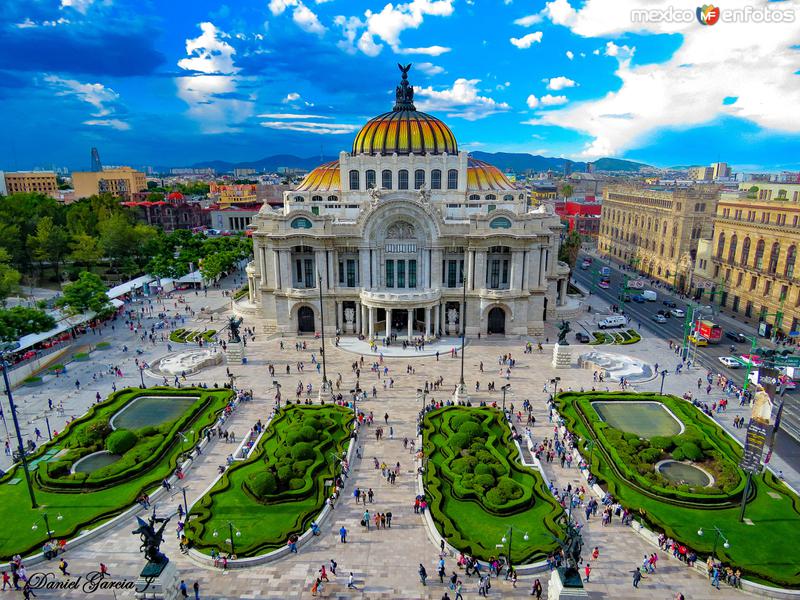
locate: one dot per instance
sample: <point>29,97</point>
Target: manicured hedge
<point>280,488</point>
<point>184,336</point>
<point>477,488</point>
<point>765,551</point>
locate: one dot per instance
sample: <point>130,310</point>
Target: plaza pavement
<point>384,562</point>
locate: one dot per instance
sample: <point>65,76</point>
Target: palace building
<point>396,232</point>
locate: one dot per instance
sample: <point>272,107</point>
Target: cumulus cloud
<point>752,62</point>
<point>429,68</point>
<point>209,52</point>
<point>550,100</point>
<point>569,54</point>
<point>104,100</point>
<point>461,100</point>
<point>80,5</point>
<point>528,20</point>
<point>526,41</point>
<point>560,82</point>
<point>305,18</point>
<point>386,27</point>
<point>532,101</point>
<point>291,97</point>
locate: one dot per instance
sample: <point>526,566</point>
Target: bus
<point>709,330</point>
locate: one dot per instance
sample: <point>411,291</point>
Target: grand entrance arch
<point>305,319</point>
<point>496,321</point>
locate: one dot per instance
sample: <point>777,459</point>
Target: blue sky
<point>176,82</point>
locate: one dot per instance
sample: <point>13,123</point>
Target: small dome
<point>481,176</point>
<point>175,196</point>
<point>322,179</point>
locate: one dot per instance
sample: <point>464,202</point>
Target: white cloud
<point>312,127</point>
<point>528,20</point>
<point>429,68</point>
<point>96,94</point>
<point>307,20</point>
<point>532,101</point>
<point>461,100</point>
<point>113,123</point>
<point>550,100</point>
<point>526,41</point>
<point>80,5</point>
<point>291,97</point>
<point>569,54</point>
<point>26,24</point>
<point>560,82</point>
<point>596,52</point>
<point>209,53</point>
<point>277,7</point>
<point>291,116</point>
<point>386,27</point>
<point>753,62</point>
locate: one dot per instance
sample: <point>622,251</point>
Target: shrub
<point>120,441</point>
<point>678,454</point>
<point>661,442</point>
<point>57,367</point>
<point>309,433</point>
<point>649,455</point>
<point>483,469</point>
<point>510,488</point>
<point>263,484</point>
<point>496,496</point>
<point>285,473</point>
<point>692,451</point>
<point>471,429</point>
<point>102,345</point>
<point>32,380</point>
<point>459,441</point>
<point>465,464</point>
<point>484,481</point>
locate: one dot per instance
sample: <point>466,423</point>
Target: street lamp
<point>509,538</point>
<point>322,329</point>
<point>22,455</point>
<point>230,528</point>
<point>35,525</point>
<point>717,534</point>
<point>185,504</point>
<point>663,376</point>
<point>505,389</point>
<point>141,375</point>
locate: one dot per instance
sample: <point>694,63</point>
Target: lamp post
<point>185,504</point>
<point>663,376</point>
<point>717,535</point>
<point>141,375</point>
<point>508,537</point>
<point>322,329</point>
<point>49,434</point>
<point>22,456</point>
<point>590,444</point>
<point>461,385</point>
<point>230,529</point>
<point>505,389</point>
<point>35,525</point>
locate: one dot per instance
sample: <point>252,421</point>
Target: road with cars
<point>672,328</point>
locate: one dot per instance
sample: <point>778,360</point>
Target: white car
<point>730,362</point>
<point>677,312</point>
<point>659,318</point>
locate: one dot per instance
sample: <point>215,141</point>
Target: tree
<point>9,277</point>
<point>87,293</point>
<point>570,248</point>
<point>566,191</point>
<point>49,243</point>
<point>117,238</point>
<point>19,321</point>
<point>86,249</point>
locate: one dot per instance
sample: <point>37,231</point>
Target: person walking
<point>333,566</point>
<point>343,535</point>
<point>637,577</point>
<point>351,585</point>
<point>62,566</point>
<point>587,571</point>
<point>536,590</point>
<point>196,588</point>
<point>183,589</point>
<point>423,574</point>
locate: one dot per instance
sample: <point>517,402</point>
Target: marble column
<point>428,310</point>
<point>363,268</point>
<point>286,270</point>
<point>321,267</point>
<point>410,312</point>
<point>371,322</point>
<point>516,270</point>
<point>358,319</point>
<point>388,328</point>
<point>262,254</point>
<point>542,266</point>
<point>480,270</point>
<point>436,309</point>
<point>364,320</point>
<point>340,316</point>
<point>276,266</point>
<point>469,268</point>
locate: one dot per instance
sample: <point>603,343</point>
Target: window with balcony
<point>745,252</point>
<point>732,249</point>
<point>759,258</point>
<point>791,257</point>
<point>774,255</point>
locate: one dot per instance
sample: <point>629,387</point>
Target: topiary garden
<point>477,489</point>
<point>280,488</point>
<point>186,336</point>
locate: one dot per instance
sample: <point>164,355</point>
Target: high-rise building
<point>118,181</point>
<point>656,230</point>
<point>43,182</point>
<point>701,173</point>
<point>720,170</point>
<point>97,166</point>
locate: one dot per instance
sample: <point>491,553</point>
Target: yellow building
<point>656,230</point>
<point>236,193</point>
<point>753,255</point>
<point>43,182</point>
<point>119,181</point>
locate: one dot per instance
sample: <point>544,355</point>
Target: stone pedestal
<point>562,587</point>
<point>324,392</point>
<point>562,356</point>
<point>235,353</point>
<point>158,582</point>
<point>461,394</point>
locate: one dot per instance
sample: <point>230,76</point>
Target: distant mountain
<point>517,162</point>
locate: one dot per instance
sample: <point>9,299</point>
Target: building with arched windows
<point>394,230</point>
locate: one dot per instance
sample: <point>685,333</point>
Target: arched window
<point>301,223</point>
<point>436,179</point>
<point>419,179</point>
<point>774,254</point>
<point>452,179</point>
<point>370,179</point>
<point>386,179</point>
<point>354,183</point>
<point>791,257</point>
<point>491,197</point>
<point>298,198</point>
<point>316,198</point>
<point>500,223</point>
<point>720,245</point>
<point>745,251</point>
<point>333,198</point>
<point>508,198</point>
<point>732,249</point>
<point>402,179</point>
<point>474,197</point>
<point>759,261</point>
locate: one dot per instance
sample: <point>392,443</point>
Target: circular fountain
<point>617,365</point>
<point>94,461</point>
<point>189,361</point>
<point>685,473</point>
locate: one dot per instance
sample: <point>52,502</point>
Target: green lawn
<point>280,488</point>
<point>85,501</point>
<point>185,336</point>
<point>766,551</point>
<point>477,489</point>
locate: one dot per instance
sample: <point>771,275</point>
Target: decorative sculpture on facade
<point>401,230</point>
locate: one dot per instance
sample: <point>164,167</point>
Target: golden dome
<point>324,178</point>
<point>482,176</point>
<point>405,130</point>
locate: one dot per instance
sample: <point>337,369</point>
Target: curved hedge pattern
<point>267,515</point>
<point>474,511</point>
<point>766,551</point>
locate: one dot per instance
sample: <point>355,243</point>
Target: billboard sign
<point>759,428</point>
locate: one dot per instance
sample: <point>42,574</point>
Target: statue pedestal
<point>349,328</point>
<point>565,587</point>
<point>324,392</point>
<point>234,353</point>
<point>460,395</point>
<point>562,356</point>
<point>158,582</point>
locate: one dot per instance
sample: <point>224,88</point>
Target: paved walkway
<point>443,346</point>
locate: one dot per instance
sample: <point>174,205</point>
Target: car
<point>604,285</point>
<point>659,318</point>
<point>677,313</point>
<point>584,266</point>
<point>730,362</point>
<point>670,304</point>
<point>735,336</point>
<point>664,313</point>
<point>582,338</point>
<point>698,340</point>
<point>638,298</point>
